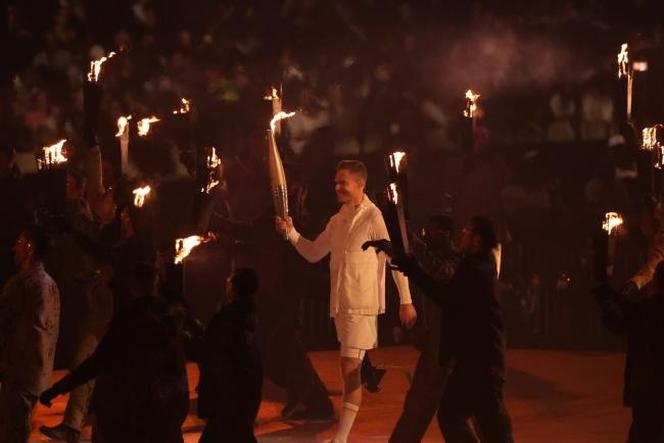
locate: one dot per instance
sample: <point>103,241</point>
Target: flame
<point>278,117</point>
<point>95,67</point>
<point>612,220</point>
<point>144,125</point>
<point>52,155</point>
<point>213,161</point>
<point>649,137</point>
<point>210,186</point>
<point>471,104</point>
<point>185,107</point>
<point>623,61</point>
<point>393,193</point>
<point>123,123</point>
<point>396,159</point>
<point>274,95</point>
<point>184,246</point>
<point>140,194</point>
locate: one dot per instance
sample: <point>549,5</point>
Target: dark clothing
<point>229,390</point>
<point>642,322</point>
<point>141,393</point>
<point>472,336</point>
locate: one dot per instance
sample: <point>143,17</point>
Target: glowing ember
<point>623,61</point>
<point>612,220</point>
<point>140,194</point>
<point>471,104</point>
<point>123,125</point>
<point>278,117</point>
<point>185,107</point>
<point>395,160</point>
<point>95,67</point>
<point>184,246</point>
<point>52,155</point>
<point>144,125</point>
<point>393,193</point>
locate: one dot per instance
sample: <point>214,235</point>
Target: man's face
<point>467,239</point>
<point>348,186</point>
<point>22,249</point>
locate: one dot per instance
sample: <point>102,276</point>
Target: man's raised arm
<point>312,251</point>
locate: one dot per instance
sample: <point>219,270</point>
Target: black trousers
<point>647,422</point>
<point>228,429</point>
<point>477,396</point>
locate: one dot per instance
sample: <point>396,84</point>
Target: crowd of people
<point>547,154</point>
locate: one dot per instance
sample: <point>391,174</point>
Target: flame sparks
<point>278,117</point>
<point>649,137</point>
<point>395,160</point>
<point>52,155</point>
<point>95,67</point>
<point>273,95</point>
<point>140,195</point>
<point>184,246</point>
<point>612,221</point>
<point>623,61</point>
<point>123,125</point>
<point>213,164</point>
<point>185,107</point>
<point>471,104</point>
<point>144,125</point>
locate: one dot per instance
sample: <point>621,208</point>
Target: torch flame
<point>52,155</point>
<point>140,194</point>
<point>471,104</point>
<point>213,160</point>
<point>623,61</point>
<point>184,246</point>
<point>185,107</point>
<point>395,160</point>
<point>612,220</point>
<point>95,67</point>
<point>650,141</point>
<point>278,117</point>
<point>123,123</point>
<point>273,95</point>
<point>144,125</point>
<point>213,163</point>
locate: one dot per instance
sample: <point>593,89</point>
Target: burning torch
<point>605,248</point>
<point>95,67</point>
<point>277,174</point>
<point>140,194</point>
<point>144,125</point>
<point>213,163</point>
<point>626,69</point>
<point>652,139</point>
<point>273,96</point>
<point>51,156</point>
<point>471,110</point>
<point>184,246</point>
<point>397,167</point>
<point>123,135</point>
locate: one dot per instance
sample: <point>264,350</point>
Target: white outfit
<point>357,277</point>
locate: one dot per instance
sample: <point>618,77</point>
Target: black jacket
<point>230,370</point>
<point>472,331</point>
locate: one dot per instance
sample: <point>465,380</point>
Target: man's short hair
<point>355,167</point>
<point>245,282</point>
<point>483,227</point>
<point>41,241</point>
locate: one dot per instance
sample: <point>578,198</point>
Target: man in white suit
<point>357,279</point>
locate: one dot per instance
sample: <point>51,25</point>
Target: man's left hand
<point>407,315</point>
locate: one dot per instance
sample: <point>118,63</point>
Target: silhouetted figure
<point>229,390</point>
<point>641,321</point>
<point>141,392</point>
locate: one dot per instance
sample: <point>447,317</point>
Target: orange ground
<point>553,396</point>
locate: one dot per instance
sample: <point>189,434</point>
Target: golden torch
<point>95,67</point>
<point>277,174</point>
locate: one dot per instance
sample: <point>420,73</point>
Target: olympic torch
<point>277,174</point>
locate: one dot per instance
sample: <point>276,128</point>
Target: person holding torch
<point>357,277</point>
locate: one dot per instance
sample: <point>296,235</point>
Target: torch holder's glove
<point>48,395</point>
<point>406,264</point>
<point>380,245</point>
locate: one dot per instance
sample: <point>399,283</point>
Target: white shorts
<point>356,333</point>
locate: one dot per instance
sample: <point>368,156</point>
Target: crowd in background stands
<point>368,76</point>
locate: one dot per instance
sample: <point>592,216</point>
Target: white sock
<point>348,414</point>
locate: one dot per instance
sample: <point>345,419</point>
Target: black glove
<point>380,245</point>
<point>48,395</point>
<point>406,264</point>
